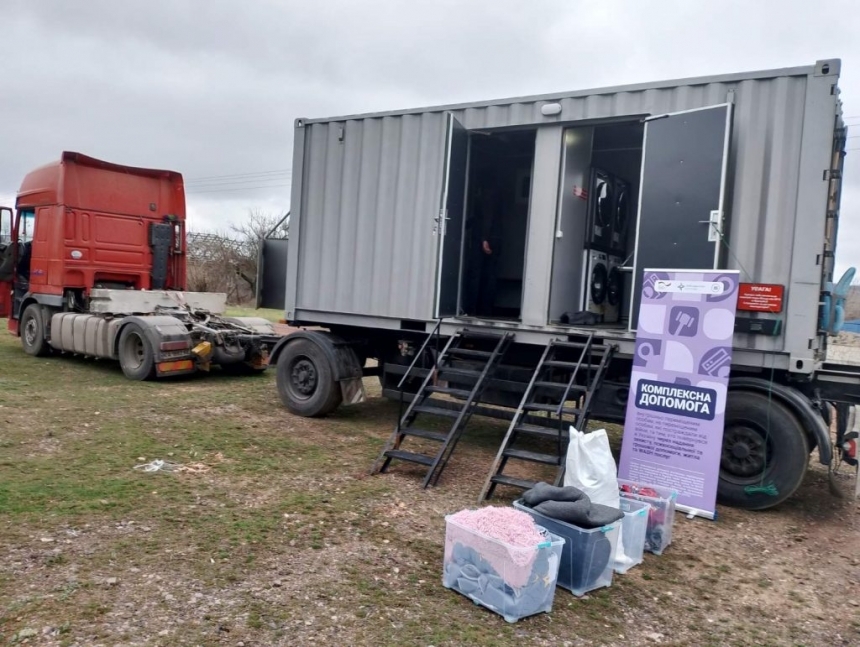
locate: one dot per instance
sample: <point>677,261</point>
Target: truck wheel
<point>33,331</point>
<point>136,356</point>
<point>764,445</point>
<point>306,380</point>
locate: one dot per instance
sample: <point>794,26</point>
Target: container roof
<point>834,68</point>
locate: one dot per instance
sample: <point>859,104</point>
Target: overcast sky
<point>210,88</point>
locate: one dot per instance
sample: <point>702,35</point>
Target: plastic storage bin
<point>661,517</point>
<point>634,528</point>
<point>588,555</point>
<point>513,581</point>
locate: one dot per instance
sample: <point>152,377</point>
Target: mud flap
<point>353,391</point>
<point>850,443</point>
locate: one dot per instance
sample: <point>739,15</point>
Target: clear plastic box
<point>661,517</point>
<point>513,581</point>
<point>634,527</point>
<point>588,555</point>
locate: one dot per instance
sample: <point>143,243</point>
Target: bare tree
<point>251,232</point>
<point>227,261</point>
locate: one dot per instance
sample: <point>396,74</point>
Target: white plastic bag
<point>591,468</point>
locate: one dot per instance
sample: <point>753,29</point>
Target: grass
<point>286,539</point>
<point>272,315</point>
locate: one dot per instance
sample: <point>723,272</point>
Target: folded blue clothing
<point>585,559</point>
<point>472,575</point>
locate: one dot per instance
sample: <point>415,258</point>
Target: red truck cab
<point>82,223</point>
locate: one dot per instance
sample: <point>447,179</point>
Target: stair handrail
<point>467,409</point>
<point>585,352</point>
<point>433,334</point>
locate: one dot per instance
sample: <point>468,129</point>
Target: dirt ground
<point>276,535</point>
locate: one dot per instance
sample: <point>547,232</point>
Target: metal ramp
<point>561,390</point>
<point>470,357</point>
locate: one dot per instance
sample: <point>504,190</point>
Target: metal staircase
<point>470,357</point>
<point>561,389</point>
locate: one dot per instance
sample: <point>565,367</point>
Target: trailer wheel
<point>136,356</point>
<point>33,331</point>
<point>764,445</point>
<point>306,380</point>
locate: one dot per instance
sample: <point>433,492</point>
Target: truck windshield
<point>26,225</point>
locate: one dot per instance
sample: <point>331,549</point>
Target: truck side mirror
<point>6,221</point>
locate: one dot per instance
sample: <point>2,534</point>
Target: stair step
<point>561,386</point>
<point>459,372</point>
<point>523,484</point>
<point>552,408</point>
<point>436,411</point>
<point>410,457</point>
<point>424,433</point>
<point>556,363</point>
<point>482,334</point>
<point>468,352</point>
<point>460,393</point>
<point>597,349</point>
<point>575,345</point>
<point>541,432</point>
<point>534,457</point>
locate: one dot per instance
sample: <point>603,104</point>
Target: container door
<point>6,261</point>
<point>682,189</point>
<point>449,222</point>
<point>272,273</point>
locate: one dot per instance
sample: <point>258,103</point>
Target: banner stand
<point>673,430</point>
<point>695,512</point>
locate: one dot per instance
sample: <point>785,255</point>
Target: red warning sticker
<point>761,297</point>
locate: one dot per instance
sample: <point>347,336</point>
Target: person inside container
<point>490,240</point>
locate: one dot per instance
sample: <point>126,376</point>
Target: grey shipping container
<point>389,211</point>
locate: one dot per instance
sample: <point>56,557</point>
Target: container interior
<point>496,223</point>
<point>596,225</point>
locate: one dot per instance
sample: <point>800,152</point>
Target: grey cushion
<point>583,513</point>
<point>546,492</point>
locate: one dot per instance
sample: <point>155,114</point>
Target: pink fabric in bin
<point>512,527</point>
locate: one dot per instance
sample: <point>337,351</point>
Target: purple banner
<point>673,432</point>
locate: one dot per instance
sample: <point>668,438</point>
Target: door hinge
<point>442,221</point>
<point>832,174</point>
<point>715,226</point>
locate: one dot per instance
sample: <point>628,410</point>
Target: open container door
<point>682,191</point>
<point>272,273</point>
<point>449,223</point>
<point>6,261</point>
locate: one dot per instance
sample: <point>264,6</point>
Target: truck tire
<point>33,331</point>
<point>764,444</point>
<point>306,380</point>
<point>136,355</point>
